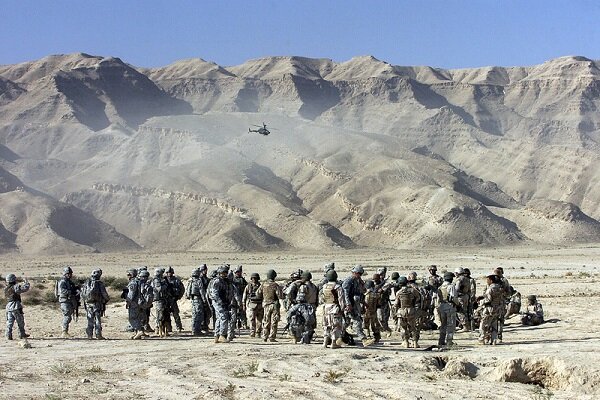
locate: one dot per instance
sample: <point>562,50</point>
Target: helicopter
<point>261,129</point>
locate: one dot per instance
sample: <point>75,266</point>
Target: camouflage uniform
<point>302,320</point>
<point>14,308</point>
<point>463,290</point>
<point>372,301</point>
<point>160,288</point>
<point>197,294</point>
<point>207,311</point>
<point>234,309</point>
<point>514,304</point>
<point>95,307</point>
<point>333,306</point>
<point>253,305</point>
<point>67,298</point>
<point>491,309</point>
<point>176,291</point>
<point>271,294</point>
<point>446,308</point>
<point>407,303</point>
<point>384,289</point>
<point>134,310</point>
<point>503,282</point>
<point>534,314</point>
<point>220,294</point>
<point>239,284</point>
<point>354,292</point>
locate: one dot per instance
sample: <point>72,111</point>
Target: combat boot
<point>65,334</point>
<point>9,336</point>
<point>326,342</point>
<point>377,337</point>
<point>223,339</point>
<point>100,337</point>
<point>368,342</point>
<point>405,344</point>
<point>339,342</point>
<point>416,345</point>
<point>216,339</point>
<point>334,345</point>
<point>138,335</point>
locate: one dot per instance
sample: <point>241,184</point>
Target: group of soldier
<point>353,309</point>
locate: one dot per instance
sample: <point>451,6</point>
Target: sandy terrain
<point>557,360</point>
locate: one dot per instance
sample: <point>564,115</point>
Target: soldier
<point>290,290</point>
<point>534,315</point>
<point>197,294</point>
<point>207,312</point>
<point>434,279</point>
<point>253,305</point>
<point>271,294</point>
<point>473,296</point>
<point>384,290</point>
<point>132,295</point>
<point>176,290</point>
<point>492,305</point>
<point>301,319</point>
<point>393,290</point>
<point>145,301</point>
<point>333,317</point>
<point>14,308</point>
<point>446,299</point>
<point>234,308</point>
<point>514,304</point>
<point>308,294</point>
<point>407,303</point>
<point>95,297</point>
<point>68,298</point>
<point>503,282</point>
<point>220,294</point>
<point>147,327</point>
<point>354,292</point>
<point>463,291</point>
<point>372,305</point>
<point>160,304</point>
<point>328,267</point>
<point>239,284</point>
<point>423,301</point>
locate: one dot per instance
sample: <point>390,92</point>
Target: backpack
<point>146,295</point>
<point>91,292</point>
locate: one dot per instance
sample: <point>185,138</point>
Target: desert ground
<point>557,360</point>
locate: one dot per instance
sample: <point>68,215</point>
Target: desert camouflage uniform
<point>372,324</point>
<point>254,309</point>
<point>407,304</point>
<point>160,303</point>
<point>333,316</point>
<point>492,307</point>
<point>271,293</point>
<point>534,315</point>
<point>446,309</point>
<point>463,290</point>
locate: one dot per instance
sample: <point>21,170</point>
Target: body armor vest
<point>252,295</point>
<point>270,292</point>
<point>406,297</point>
<point>444,291</point>
<point>10,295</point>
<point>329,293</point>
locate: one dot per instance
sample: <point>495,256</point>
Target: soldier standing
<point>160,288</point>
<point>407,303</point>
<point>253,305</point>
<point>271,294</point>
<point>434,279</point>
<point>503,282</point>
<point>95,298</point>
<point>463,291</point>
<point>197,294</point>
<point>132,295</point>
<point>220,295</point>
<point>239,285</point>
<point>207,312</point>
<point>68,298</point>
<point>446,308</point>
<point>145,300</point>
<point>372,305</point>
<point>354,292</point>
<point>175,293</point>
<point>384,289</point>
<point>14,308</point>
<point>333,317</point>
<point>493,299</point>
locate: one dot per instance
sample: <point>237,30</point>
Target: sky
<point>444,34</point>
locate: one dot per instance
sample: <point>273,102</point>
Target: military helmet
<point>223,269</point>
<point>159,271</point>
<point>306,275</point>
<point>238,269</point>
<point>144,273</point>
<point>395,275</point>
<point>499,271</point>
<point>255,275</point>
<point>412,276</point>
<point>432,268</point>
<point>203,267</point>
<point>369,284</point>
<point>467,271</point>
<point>271,274</point>
<point>67,270</point>
<point>532,298</point>
<point>296,274</point>
<point>97,273</point>
<point>328,266</point>
<point>381,270</point>
<point>196,272</point>
<point>493,277</point>
<point>170,270</point>
<point>11,278</point>
<point>459,271</point>
<point>133,272</point>
<point>331,275</point>
<point>359,269</point>
<point>448,276</point>
<point>402,281</point>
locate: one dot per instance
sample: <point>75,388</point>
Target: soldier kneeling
<point>534,315</point>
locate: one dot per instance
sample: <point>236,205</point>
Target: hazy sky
<point>447,34</point>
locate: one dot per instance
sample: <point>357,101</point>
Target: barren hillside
<point>362,153</point>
